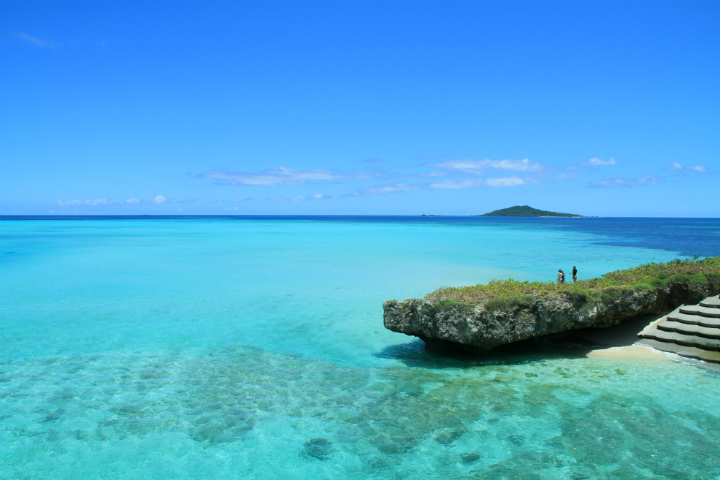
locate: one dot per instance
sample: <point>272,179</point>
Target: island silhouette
<point>525,211</point>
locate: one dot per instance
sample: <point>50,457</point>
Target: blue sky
<point>408,107</point>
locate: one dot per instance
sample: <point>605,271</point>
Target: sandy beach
<point>619,341</point>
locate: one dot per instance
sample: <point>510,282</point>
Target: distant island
<point>526,211</point>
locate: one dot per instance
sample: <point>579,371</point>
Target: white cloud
<point>694,168</point>
<point>478,166</point>
<point>365,192</point>
<point>627,182</point>
<point>385,189</point>
<point>480,182</point>
<point>131,201</point>
<point>34,40</point>
<point>277,176</point>
<point>504,182</point>
<point>236,200</point>
<point>301,198</point>
<point>598,161</point>
<point>459,184</point>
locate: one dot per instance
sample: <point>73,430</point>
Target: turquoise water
<point>242,348</point>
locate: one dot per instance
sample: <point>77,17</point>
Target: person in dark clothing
<point>574,274</point>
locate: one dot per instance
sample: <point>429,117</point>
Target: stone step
<point>698,310</point>
<point>683,351</point>
<point>682,339</point>
<point>687,329</point>
<point>694,320</point>
<point>711,302</point>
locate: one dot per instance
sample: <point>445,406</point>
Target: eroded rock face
<point>485,326</point>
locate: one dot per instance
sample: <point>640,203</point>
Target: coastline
<point>620,341</point>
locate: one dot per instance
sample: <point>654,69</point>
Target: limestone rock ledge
<point>484,326</point>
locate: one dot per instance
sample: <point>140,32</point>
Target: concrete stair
<point>712,302</point>
<point>702,311</point>
<point>676,316</point>
<point>691,331</point>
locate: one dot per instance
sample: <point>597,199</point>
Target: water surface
<point>254,348</point>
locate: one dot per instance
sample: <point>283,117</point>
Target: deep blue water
<point>253,347</point>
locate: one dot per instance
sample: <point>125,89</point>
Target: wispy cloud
<point>131,201</point>
<point>627,182</point>
<point>365,192</point>
<point>600,162</point>
<point>478,182</point>
<point>276,176</point>
<point>385,189</point>
<point>481,182</point>
<point>238,199</point>
<point>301,198</point>
<point>29,39</point>
<point>504,182</point>
<point>478,166</point>
<point>419,175</point>
<point>691,168</point>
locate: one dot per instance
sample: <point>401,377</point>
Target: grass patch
<point>510,293</point>
<point>510,303</point>
<point>444,304</point>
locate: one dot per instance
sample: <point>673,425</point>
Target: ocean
<point>254,347</point>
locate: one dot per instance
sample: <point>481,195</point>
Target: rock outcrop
<point>484,326</point>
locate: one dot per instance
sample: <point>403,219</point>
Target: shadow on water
<point>572,344</point>
<point>416,354</point>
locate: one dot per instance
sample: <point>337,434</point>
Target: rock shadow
<point>571,344</point>
<point>419,355</point>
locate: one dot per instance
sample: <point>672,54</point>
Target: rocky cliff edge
<point>484,326</point>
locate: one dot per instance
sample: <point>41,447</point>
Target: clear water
<point>254,348</point>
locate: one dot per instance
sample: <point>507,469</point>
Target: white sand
<point>635,352</point>
<point>619,341</point>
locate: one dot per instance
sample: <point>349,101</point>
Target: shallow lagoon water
<point>254,348</point>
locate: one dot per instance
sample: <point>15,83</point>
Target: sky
<point>359,107</point>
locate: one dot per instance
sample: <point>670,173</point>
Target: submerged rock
<point>318,448</point>
<point>483,326</point>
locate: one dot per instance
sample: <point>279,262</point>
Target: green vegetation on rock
<point>483,317</point>
<point>526,211</point>
<point>508,293</point>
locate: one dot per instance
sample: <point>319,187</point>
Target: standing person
<point>561,276</point>
<point>574,274</point>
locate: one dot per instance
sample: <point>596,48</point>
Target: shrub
<point>609,286</point>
